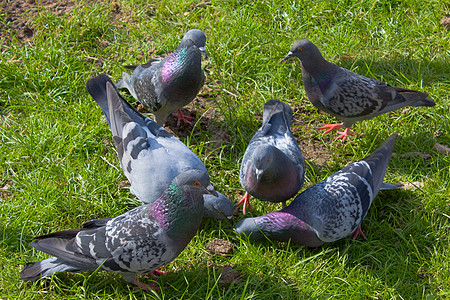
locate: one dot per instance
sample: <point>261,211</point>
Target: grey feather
<point>149,155</point>
<point>346,95</point>
<point>136,242</point>
<point>169,84</point>
<point>328,211</point>
<point>218,207</point>
<point>272,168</point>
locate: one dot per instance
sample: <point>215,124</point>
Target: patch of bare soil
<point>313,149</point>
<point>19,14</point>
<point>220,247</point>
<point>229,276</point>
<point>4,190</point>
<point>445,21</point>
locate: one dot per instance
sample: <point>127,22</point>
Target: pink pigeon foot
<point>246,201</point>
<point>344,134</point>
<point>358,232</point>
<point>331,127</point>
<point>145,286</point>
<point>156,273</point>
<point>182,117</point>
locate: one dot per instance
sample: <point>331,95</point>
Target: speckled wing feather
<point>121,245</point>
<point>329,210</point>
<point>167,85</point>
<point>352,97</point>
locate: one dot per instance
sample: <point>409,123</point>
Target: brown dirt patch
<point>220,247</point>
<point>445,21</point>
<point>229,276</point>
<point>19,14</point>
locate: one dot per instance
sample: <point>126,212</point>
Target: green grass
<point>56,153</point>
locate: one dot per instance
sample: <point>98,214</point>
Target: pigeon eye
<point>300,50</point>
<point>196,183</point>
<point>192,42</point>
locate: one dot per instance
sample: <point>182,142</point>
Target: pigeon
<point>134,243</point>
<point>169,84</point>
<point>219,207</point>
<point>346,95</point>
<point>272,168</point>
<point>149,155</point>
<point>329,210</point>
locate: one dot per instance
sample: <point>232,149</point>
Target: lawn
<point>59,168</point>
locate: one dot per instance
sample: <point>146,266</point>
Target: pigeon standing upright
<point>329,210</point>
<point>134,243</point>
<point>346,95</point>
<point>149,155</point>
<point>272,168</point>
<point>169,84</point>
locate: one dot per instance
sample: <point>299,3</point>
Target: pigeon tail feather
<point>379,160</point>
<point>37,270</point>
<point>278,114</point>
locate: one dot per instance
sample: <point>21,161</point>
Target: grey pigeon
<point>219,207</point>
<point>329,210</point>
<point>169,84</point>
<point>149,155</point>
<point>134,243</point>
<point>346,95</point>
<point>272,168</point>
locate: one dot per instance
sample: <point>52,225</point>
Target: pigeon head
<point>304,50</point>
<point>268,162</point>
<point>195,181</point>
<point>218,207</point>
<point>250,228</point>
<point>195,37</point>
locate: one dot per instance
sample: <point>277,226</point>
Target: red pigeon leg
<point>331,127</point>
<point>344,134</point>
<point>359,232</point>
<point>246,201</point>
<point>145,286</point>
<point>182,117</point>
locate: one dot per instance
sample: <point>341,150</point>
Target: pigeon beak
<point>230,219</point>
<point>259,174</point>
<point>203,51</point>
<point>289,55</point>
<point>210,189</point>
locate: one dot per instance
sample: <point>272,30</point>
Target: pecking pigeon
<point>169,84</point>
<point>134,243</point>
<point>219,207</point>
<point>272,168</point>
<point>330,210</point>
<point>346,95</point>
<point>149,155</point>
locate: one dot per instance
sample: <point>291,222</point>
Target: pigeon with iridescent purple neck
<point>346,95</point>
<point>134,243</point>
<point>169,84</point>
<point>272,168</point>
<point>329,210</point>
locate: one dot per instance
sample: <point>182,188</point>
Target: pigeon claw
<point>344,134</point>
<point>182,117</point>
<point>359,232</point>
<point>145,286</point>
<point>331,127</point>
<point>156,273</point>
<point>246,201</point>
